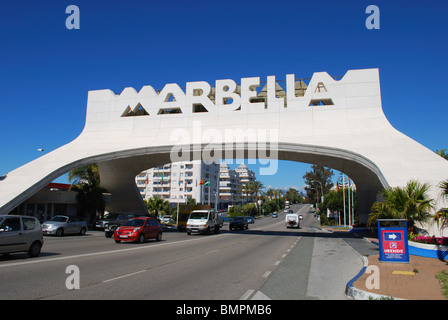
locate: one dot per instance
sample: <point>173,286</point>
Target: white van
<point>292,220</point>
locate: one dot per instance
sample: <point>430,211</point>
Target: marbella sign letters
<point>200,96</point>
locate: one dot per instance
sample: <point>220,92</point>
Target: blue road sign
<point>393,243</point>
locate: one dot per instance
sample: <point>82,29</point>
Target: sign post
<point>393,240</point>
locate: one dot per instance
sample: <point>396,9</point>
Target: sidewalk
<point>417,282</point>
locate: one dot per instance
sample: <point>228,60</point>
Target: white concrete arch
<point>336,123</point>
<point>118,173</point>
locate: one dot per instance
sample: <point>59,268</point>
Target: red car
<point>138,229</point>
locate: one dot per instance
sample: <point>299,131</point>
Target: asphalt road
<point>250,264</point>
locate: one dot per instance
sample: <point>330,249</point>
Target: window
<point>155,223</point>
<point>10,224</point>
<point>321,102</point>
<point>28,223</point>
<point>60,208</point>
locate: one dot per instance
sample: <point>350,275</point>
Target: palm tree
<point>157,206</point>
<point>256,187</point>
<point>441,216</point>
<point>245,190</point>
<point>442,153</point>
<point>410,202</point>
<point>270,193</point>
<point>444,188</point>
<point>86,181</point>
<point>87,174</point>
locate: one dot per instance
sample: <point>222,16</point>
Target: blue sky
<point>46,70</point>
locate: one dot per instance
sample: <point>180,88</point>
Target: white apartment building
<point>230,182</point>
<point>180,181</point>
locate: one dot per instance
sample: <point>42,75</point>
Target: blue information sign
<point>393,243</point>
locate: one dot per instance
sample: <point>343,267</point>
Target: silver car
<point>20,234</point>
<point>60,225</point>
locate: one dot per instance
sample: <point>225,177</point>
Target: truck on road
<point>292,220</point>
<point>204,221</point>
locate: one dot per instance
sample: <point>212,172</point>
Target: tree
<point>442,153</point>
<point>441,216</point>
<point>86,181</point>
<point>256,187</point>
<point>270,206</point>
<point>334,201</point>
<point>410,202</point>
<point>293,196</point>
<point>157,206</point>
<point>270,193</point>
<point>245,190</point>
<point>321,174</point>
<point>444,188</point>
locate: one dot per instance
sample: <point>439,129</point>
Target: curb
<point>357,294</point>
<point>428,250</point>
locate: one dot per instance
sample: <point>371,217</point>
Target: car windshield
<point>59,219</point>
<point>199,215</point>
<point>134,223</point>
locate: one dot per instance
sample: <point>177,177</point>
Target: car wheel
<point>34,250</point>
<point>60,232</point>
<point>159,236</point>
<point>141,239</point>
<point>82,232</point>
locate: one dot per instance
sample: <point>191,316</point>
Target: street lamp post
<point>321,189</point>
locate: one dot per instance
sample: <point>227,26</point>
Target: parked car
<point>61,225</point>
<point>111,226</point>
<point>251,219</point>
<point>165,219</point>
<point>20,234</point>
<point>275,215</point>
<point>139,229</point>
<point>239,223</point>
<point>107,217</point>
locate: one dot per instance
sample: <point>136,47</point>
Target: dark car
<point>111,226</point>
<point>239,223</point>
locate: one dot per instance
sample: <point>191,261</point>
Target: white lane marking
<point>247,294</point>
<point>260,296</point>
<point>266,274</point>
<point>124,276</point>
<point>103,252</point>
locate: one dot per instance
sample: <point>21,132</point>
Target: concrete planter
<point>428,250</point>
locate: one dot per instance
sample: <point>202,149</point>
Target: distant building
<point>180,181</point>
<point>54,199</point>
<point>231,185</point>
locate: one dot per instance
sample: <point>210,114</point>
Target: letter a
<point>72,281</point>
<point>72,21</point>
<point>373,281</point>
<point>373,21</point>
